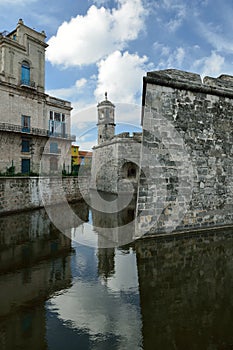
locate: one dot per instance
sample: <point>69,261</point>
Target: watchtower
<point>106,120</point>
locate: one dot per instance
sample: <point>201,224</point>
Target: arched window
<point>25,73</point>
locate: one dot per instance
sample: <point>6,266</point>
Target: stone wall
<point>186,180</point>
<point>23,193</point>
<point>109,161</point>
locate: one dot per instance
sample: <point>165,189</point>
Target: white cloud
<point>169,58</point>
<point>170,13</point>
<point>121,75</point>
<point>68,93</point>
<point>178,19</point>
<point>219,41</point>
<point>84,118</point>
<point>87,39</point>
<point>81,83</point>
<point>179,56</point>
<point>211,65</point>
<point>161,49</point>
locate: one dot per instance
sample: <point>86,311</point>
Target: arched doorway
<point>130,171</point>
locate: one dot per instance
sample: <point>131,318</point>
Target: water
<point>56,293</point>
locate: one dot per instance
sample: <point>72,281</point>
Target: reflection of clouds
<point>99,308</point>
<point>85,234</point>
<point>91,307</point>
<point>125,278</point>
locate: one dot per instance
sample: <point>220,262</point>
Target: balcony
<point>48,151</point>
<point>62,135</point>
<point>34,131</point>
<point>28,83</point>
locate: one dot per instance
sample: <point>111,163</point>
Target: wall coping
<point>116,140</point>
<point>221,86</point>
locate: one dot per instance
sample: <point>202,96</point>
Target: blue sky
<point>107,45</point>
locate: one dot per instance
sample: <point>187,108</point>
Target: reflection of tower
<point>106,122</point>
<point>106,263</point>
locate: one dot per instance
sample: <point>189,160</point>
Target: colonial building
<point>32,123</point>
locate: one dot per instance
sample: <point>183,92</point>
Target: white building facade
<point>32,123</point>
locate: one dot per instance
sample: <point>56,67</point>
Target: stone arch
<point>130,171</point>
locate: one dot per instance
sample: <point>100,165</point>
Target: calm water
<point>156,294</point>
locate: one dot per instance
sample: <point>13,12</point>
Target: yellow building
<point>75,155</point>
<point>80,158</point>
<point>74,159</point>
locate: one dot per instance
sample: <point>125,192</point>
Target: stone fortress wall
<point>187,152</point>
<point>23,193</point>
<point>115,163</point>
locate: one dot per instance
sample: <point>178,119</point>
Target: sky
<point>109,45</point>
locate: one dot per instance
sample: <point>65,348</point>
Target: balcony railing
<point>35,131</point>
<point>28,83</point>
<point>50,151</point>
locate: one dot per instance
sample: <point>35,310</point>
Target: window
<point>63,129</point>
<point>57,117</point>
<point>25,123</point>
<point>25,73</point>
<point>53,147</point>
<point>51,127</point>
<point>25,145</point>
<point>25,166</point>
<point>57,125</point>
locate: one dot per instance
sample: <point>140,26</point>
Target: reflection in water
<point>35,263</point>
<point>105,310</point>
<point>186,292</point>
<point>97,306</point>
<point>170,293</point>
<point>112,223</point>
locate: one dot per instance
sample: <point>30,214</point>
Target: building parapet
<point>53,101</point>
<point>119,138</point>
<point>137,136</point>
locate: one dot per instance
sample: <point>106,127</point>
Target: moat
<point>167,293</point>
